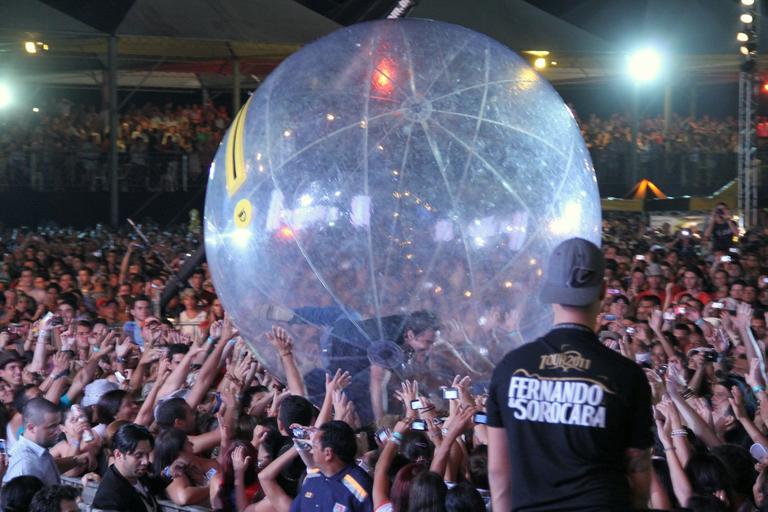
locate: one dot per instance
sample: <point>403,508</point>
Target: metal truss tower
<point>748,84</point>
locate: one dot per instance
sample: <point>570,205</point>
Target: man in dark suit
<point>126,486</point>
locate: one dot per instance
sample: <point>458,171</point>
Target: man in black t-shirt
<point>569,419</point>
<point>721,229</point>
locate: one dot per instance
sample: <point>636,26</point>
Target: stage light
<point>746,18</point>
<point>383,76</point>
<point>30,47</point>
<point>747,2</point>
<point>540,63</point>
<point>644,65</point>
<point>5,96</point>
<point>744,50</point>
<point>742,37</point>
<point>35,109</point>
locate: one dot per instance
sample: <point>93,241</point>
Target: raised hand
<point>5,337</point>
<point>123,348</point>
<point>215,329</point>
<point>463,383</point>
<point>60,362</point>
<point>260,433</point>
<point>737,404</point>
<point>228,330</point>
<point>151,355</point>
<point>281,340</point>
<point>240,462</point>
<point>703,409</point>
<point>454,331</point>
<point>67,341</point>
<point>409,391</point>
<point>462,421</point>
<point>744,316</point>
<point>336,383</point>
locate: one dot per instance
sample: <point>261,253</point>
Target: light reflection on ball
<point>394,166</point>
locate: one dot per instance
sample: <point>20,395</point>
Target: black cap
<point>8,356</point>
<point>574,274</point>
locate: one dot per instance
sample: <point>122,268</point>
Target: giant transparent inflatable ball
<point>396,176</point>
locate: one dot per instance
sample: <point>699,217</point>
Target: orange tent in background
<point>643,188</point>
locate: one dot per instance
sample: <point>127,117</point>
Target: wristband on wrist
<point>121,360</point>
<point>288,353</point>
<point>699,322</point>
<point>681,432</point>
<point>61,374</point>
<point>397,436</point>
<point>758,389</point>
<point>669,449</point>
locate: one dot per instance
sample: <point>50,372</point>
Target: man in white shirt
<point>30,455</point>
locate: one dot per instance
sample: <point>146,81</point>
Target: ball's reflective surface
<point>396,166</point>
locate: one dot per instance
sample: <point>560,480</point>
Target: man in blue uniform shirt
<point>336,484</point>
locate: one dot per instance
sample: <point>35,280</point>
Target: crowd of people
<point>64,145</point>
<point>103,378</point>
<point>167,147</point>
<point>695,156</point>
<point>694,136</point>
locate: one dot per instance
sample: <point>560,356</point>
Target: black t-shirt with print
<point>570,407</point>
<point>722,236</point>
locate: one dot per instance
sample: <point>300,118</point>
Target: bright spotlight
<point>540,63</point>
<point>30,47</point>
<point>744,50</point>
<point>742,37</point>
<point>35,110</point>
<point>747,2</point>
<point>644,65</point>
<point>746,18</point>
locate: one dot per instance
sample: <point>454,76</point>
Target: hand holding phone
<point>383,435</point>
<point>450,393</point>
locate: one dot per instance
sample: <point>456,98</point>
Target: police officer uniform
<point>349,490</point>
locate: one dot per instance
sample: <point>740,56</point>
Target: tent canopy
<point>644,188</point>
<point>153,35</point>
<point>516,23</point>
<point>187,42</point>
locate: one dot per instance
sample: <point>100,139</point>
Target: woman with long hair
<point>428,493</point>
<point>114,405</point>
<point>237,485</point>
<point>190,483</point>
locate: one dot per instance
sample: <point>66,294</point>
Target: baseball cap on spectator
<point>95,390</point>
<point>730,304</point>
<point>654,269</point>
<point>574,274</point>
<point>657,248</point>
<point>7,357</point>
<point>609,335</point>
<point>620,298</point>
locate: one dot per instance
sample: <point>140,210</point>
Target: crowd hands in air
<point>96,385</point>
